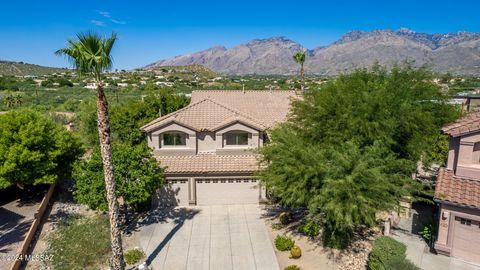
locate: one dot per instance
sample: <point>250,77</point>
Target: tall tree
<point>90,55</point>
<point>34,149</point>
<point>348,149</point>
<point>300,57</point>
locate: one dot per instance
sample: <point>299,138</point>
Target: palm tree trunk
<point>302,78</point>
<point>106,151</point>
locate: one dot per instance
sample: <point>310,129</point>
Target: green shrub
<point>309,228</point>
<point>284,243</point>
<point>133,256</point>
<point>400,263</point>
<point>285,218</point>
<point>295,252</point>
<point>385,250</point>
<point>277,226</point>
<point>292,267</point>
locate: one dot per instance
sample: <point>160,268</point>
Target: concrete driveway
<point>211,238</point>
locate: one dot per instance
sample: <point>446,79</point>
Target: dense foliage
<point>127,118</point>
<point>388,254</point>
<point>348,149</point>
<point>34,149</point>
<point>137,176</point>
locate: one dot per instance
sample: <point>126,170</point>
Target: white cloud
<point>97,23</point>
<point>105,14</point>
<point>118,22</point>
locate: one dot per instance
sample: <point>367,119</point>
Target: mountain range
<point>457,53</point>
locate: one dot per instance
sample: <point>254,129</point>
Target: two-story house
<point>208,148</point>
<point>458,192</point>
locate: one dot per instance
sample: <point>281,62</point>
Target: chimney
<point>243,88</point>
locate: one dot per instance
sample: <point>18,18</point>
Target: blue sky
<point>31,31</point>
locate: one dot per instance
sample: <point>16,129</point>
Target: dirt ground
<point>61,206</point>
<point>315,256</point>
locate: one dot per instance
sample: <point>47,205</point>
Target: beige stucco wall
<point>204,141</point>
<point>445,236</point>
<point>154,140</point>
<point>468,164</point>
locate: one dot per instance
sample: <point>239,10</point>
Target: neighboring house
<point>208,148</point>
<point>458,191</point>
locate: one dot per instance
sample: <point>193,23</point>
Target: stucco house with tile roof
<point>208,148</point>
<point>457,191</point>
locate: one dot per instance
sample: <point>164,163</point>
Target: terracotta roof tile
<point>209,163</point>
<point>457,190</point>
<point>464,125</point>
<point>267,107</point>
<point>205,114</point>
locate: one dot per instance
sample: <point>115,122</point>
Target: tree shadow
<point>162,209</point>
<point>12,229</point>
<point>178,216</point>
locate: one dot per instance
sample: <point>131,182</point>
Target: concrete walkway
<point>224,237</point>
<point>418,252</point>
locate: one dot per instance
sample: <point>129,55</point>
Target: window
<point>237,138</point>
<point>465,221</point>
<point>174,139</point>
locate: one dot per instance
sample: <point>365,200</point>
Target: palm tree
<point>299,57</point>
<point>9,101</point>
<point>90,55</point>
<point>18,99</point>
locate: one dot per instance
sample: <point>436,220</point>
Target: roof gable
<point>204,115</point>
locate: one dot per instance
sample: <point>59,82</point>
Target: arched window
<point>174,139</point>
<point>236,138</point>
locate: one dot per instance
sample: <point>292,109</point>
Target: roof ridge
<point>236,111</point>
<point>159,119</point>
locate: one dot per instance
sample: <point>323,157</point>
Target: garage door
<point>173,193</point>
<point>466,240</point>
<point>230,191</point>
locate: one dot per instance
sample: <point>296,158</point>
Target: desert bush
<point>277,226</point>
<point>133,256</point>
<point>284,243</point>
<point>400,263</point>
<point>292,267</point>
<point>386,253</point>
<point>285,218</point>
<point>309,228</point>
<point>295,252</point>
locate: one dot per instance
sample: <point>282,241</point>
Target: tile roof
<point>204,115</point>
<point>266,107</point>
<point>457,190</point>
<point>464,125</point>
<point>209,163</point>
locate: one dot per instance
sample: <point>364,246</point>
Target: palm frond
<point>89,53</point>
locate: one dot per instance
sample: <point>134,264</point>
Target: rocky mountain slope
<point>454,52</point>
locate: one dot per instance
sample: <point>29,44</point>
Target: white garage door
<point>173,193</point>
<point>230,191</point>
<point>466,240</point>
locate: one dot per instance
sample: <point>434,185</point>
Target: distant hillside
<point>187,69</point>
<point>22,69</point>
<point>458,53</point>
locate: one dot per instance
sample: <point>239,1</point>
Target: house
<point>208,148</point>
<point>458,191</point>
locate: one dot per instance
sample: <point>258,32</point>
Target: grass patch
<point>133,256</point>
<point>277,226</point>
<point>80,243</point>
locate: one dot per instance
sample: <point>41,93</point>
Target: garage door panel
<point>229,191</point>
<point>466,240</point>
<point>173,193</point>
